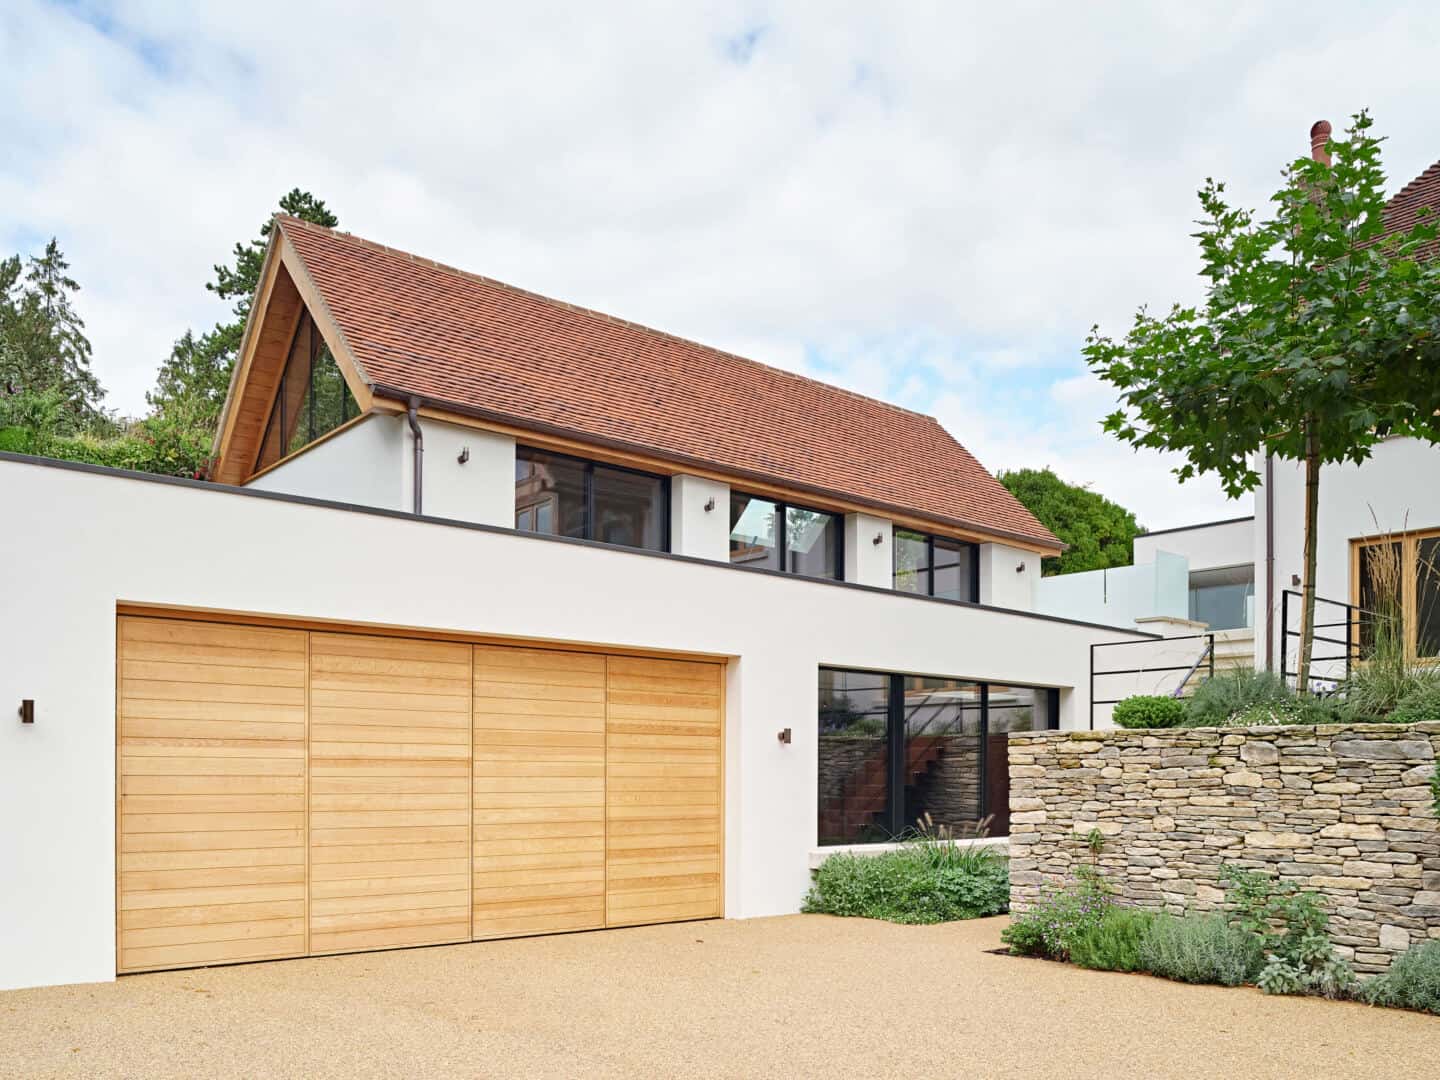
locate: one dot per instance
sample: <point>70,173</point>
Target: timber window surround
<point>565,496</point>
<point>1397,577</point>
<point>782,536</point>
<point>896,749</point>
<point>312,397</point>
<point>936,566</point>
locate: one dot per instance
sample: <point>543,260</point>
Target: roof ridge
<point>288,219</point>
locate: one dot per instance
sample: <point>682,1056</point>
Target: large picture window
<point>898,749</point>
<point>936,566</point>
<point>778,536</point>
<point>1223,598</point>
<point>565,496</point>
<point>1396,584</point>
<point>311,400</point>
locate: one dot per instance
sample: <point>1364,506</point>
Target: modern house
<point>504,617</point>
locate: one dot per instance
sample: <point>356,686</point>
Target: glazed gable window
<point>311,400</point>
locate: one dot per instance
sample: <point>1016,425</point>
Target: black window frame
<point>589,465</point>
<point>782,535</point>
<point>307,403</point>
<point>895,825</point>
<point>929,568</point>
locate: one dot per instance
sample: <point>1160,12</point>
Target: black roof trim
<point>1201,525</point>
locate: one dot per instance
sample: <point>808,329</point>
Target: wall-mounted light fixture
<point>879,539</point>
<point>464,455</point>
<point>785,736</point>
<point>710,505</point>
<point>1020,569</point>
<point>1295,580</point>
<point>27,711</point>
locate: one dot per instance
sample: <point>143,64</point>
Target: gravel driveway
<point>792,996</point>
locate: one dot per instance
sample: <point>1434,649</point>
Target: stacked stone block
<point>1344,810</point>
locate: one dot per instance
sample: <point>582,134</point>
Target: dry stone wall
<point>1345,810</point>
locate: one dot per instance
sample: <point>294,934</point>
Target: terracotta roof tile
<point>423,328</point>
<point>1403,209</point>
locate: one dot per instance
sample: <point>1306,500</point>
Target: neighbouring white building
<point>503,617</point>
<point>1241,577</point>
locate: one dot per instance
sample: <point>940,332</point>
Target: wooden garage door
<point>539,791</point>
<point>389,792</point>
<point>662,790</point>
<point>211,760</point>
<point>284,792</point>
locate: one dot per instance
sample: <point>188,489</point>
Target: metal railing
<point>1350,644</point>
<point>1206,656</point>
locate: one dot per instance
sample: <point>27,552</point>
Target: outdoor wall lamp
<point>464,455</point>
<point>27,712</point>
<point>710,505</point>
<point>1295,580</point>
<point>879,539</point>
<point>785,736</point>
<point>1020,569</point>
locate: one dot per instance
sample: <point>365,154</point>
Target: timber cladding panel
<point>662,790</point>
<point>389,792</point>
<point>211,783</point>
<point>539,791</point>
<point>285,792</point>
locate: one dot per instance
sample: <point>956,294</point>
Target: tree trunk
<point>1307,589</point>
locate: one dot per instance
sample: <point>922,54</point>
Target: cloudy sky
<point>930,203</point>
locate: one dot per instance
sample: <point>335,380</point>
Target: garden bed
<point>1270,934</point>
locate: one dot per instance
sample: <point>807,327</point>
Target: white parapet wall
<point>84,540</point>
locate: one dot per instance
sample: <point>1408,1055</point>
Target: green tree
<point>192,382</point>
<point>44,352</point>
<point>1317,338</point>
<point>1099,533</point>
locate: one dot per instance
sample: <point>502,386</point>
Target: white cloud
<point>878,183</point>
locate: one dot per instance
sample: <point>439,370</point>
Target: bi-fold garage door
<point>288,793</point>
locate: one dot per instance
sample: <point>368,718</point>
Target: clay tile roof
<point>456,338</point>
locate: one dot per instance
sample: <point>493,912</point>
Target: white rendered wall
<point>1008,576</point>
<point>366,464</point>
<point>1397,490</point>
<point>481,490</point>
<point>694,530</point>
<point>1207,547</point>
<point>866,562</point>
<point>91,540</point>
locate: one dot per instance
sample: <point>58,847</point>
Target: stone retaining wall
<point>1345,810</point>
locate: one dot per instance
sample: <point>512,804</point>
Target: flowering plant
<point>1061,917</point>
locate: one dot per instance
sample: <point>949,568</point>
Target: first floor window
<point>1396,585</point>
<point>936,566</point>
<point>778,536</point>
<point>565,496</point>
<point>898,751</point>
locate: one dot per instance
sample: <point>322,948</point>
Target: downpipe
<point>419,439</point>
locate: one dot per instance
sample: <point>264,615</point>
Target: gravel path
<point>784,997</point>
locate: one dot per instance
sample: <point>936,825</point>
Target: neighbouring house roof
<point>1403,209</point>
<point>454,338</point>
